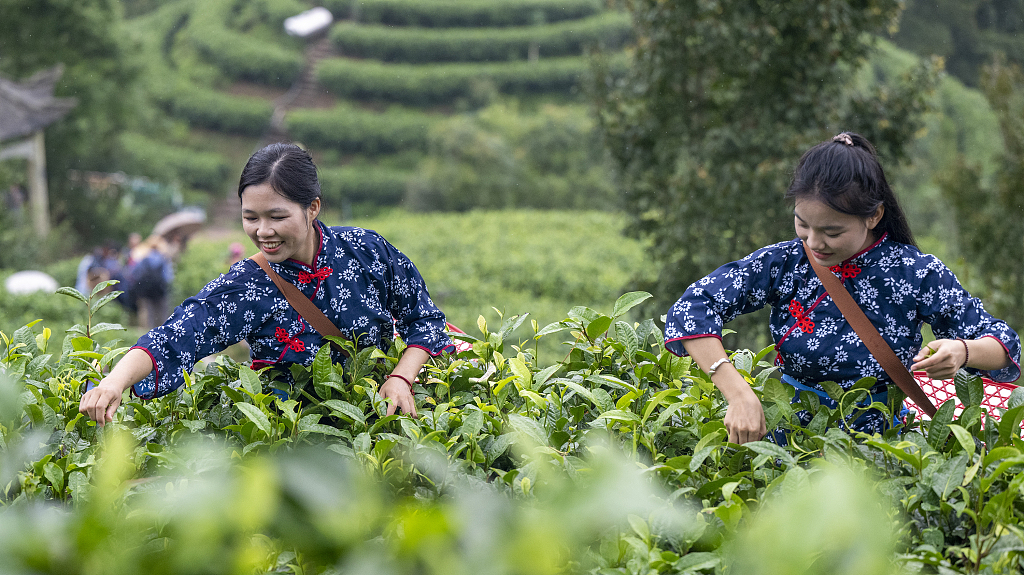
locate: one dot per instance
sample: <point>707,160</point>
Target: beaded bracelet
<point>967,352</point>
<point>401,377</point>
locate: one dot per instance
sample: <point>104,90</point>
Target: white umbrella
<point>31,281</point>
<point>183,223</point>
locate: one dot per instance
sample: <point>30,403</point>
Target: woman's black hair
<point>288,169</point>
<point>844,174</point>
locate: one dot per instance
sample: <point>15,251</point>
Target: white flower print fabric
<point>361,282</point>
<point>897,286</point>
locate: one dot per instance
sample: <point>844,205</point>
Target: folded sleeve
<point>419,322</point>
<point>736,288</point>
<point>953,313</point>
<point>223,313</point>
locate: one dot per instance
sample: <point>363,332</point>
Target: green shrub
<point>351,130</point>
<point>446,13</point>
<point>160,161</point>
<point>372,184</point>
<point>500,158</point>
<point>239,55</point>
<point>442,83</point>
<point>244,115</point>
<point>481,44</point>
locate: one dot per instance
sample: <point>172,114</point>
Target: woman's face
<point>279,227</point>
<point>833,236</point>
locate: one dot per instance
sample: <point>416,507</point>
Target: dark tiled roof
<point>29,106</point>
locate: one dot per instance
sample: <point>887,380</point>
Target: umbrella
<point>30,281</point>
<point>183,223</point>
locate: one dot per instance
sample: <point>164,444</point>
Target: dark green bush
<point>221,112</point>
<point>372,184</point>
<point>442,83</point>
<point>481,44</point>
<point>239,55</point>
<point>350,130</point>
<point>444,13</point>
<point>160,161</point>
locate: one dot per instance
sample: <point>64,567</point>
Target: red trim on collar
<point>867,249</point>
<point>316,256</point>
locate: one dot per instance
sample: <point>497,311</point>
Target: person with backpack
<point>849,221</point>
<point>149,278</point>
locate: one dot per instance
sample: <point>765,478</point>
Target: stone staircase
<point>305,93</point>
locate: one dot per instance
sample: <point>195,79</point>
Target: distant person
<point>98,266</point>
<point>134,239</point>
<point>359,281</point>
<point>235,251</point>
<point>149,281</point>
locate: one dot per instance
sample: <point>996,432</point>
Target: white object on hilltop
<point>31,281</point>
<point>309,22</point>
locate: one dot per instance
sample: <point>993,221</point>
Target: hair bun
<point>843,138</point>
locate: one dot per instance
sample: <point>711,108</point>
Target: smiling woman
<point>849,219</point>
<point>364,286</point>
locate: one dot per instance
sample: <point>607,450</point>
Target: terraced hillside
<point>363,96</point>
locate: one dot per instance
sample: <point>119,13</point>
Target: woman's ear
<point>875,218</point>
<point>314,209</point>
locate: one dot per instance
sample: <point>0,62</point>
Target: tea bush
<point>221,112</point>
<point>352,130</point>
<point>422,85</point>
<point>372,184</point>
<point>611,460</point>
<point>420,45</point>
<point>271,59</point>
<point>156,159</point>
<point>462,13</point>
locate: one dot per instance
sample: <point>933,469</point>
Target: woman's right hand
<point>744,418</point>
<point>101,402</point>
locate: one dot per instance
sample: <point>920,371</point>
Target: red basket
<point>940,390</point>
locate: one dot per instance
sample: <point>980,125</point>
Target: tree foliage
<point>967,33</point>
<point>721,100</point>
<point>990,211</point>
<point>100,72</point>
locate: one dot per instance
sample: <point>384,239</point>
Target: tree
<point>100,72</point>
<point>990,211</point>
<point>721,100</point>
<point>966,33</point>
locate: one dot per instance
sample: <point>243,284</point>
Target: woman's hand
<point>400,395</point>
<point>941,359</point>
<point>101,402</point>
<point>744,418</point>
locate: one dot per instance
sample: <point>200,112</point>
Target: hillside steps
<point>306,92</point>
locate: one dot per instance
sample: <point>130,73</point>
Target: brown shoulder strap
<point>869,335</point>
<point>302,304</point>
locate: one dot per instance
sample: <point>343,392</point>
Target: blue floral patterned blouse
<point>361,282</point>
<point>897,286</point>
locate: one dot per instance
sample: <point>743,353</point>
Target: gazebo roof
<point>29,106</point>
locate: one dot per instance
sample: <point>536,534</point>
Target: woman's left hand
<point>400,395</point>
<point>941,359</point>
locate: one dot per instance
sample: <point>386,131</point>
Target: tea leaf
<point>628,301</point>
<point>256,416</point>
<point>72,292</point>
<point>938,430</point>
<point>969,388</point>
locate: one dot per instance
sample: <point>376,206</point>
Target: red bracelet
<point>403,378</point>
<point>967,352</point>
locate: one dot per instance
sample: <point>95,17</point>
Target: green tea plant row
<point>352,130</point>
<point>510,459</point>
<point>462,13</point>
<point>271,60</point>
<point>218,111</point>
<point>373,184</point>
<point>418,45</point>
<point>157,159</point>
<point>428,84</point>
